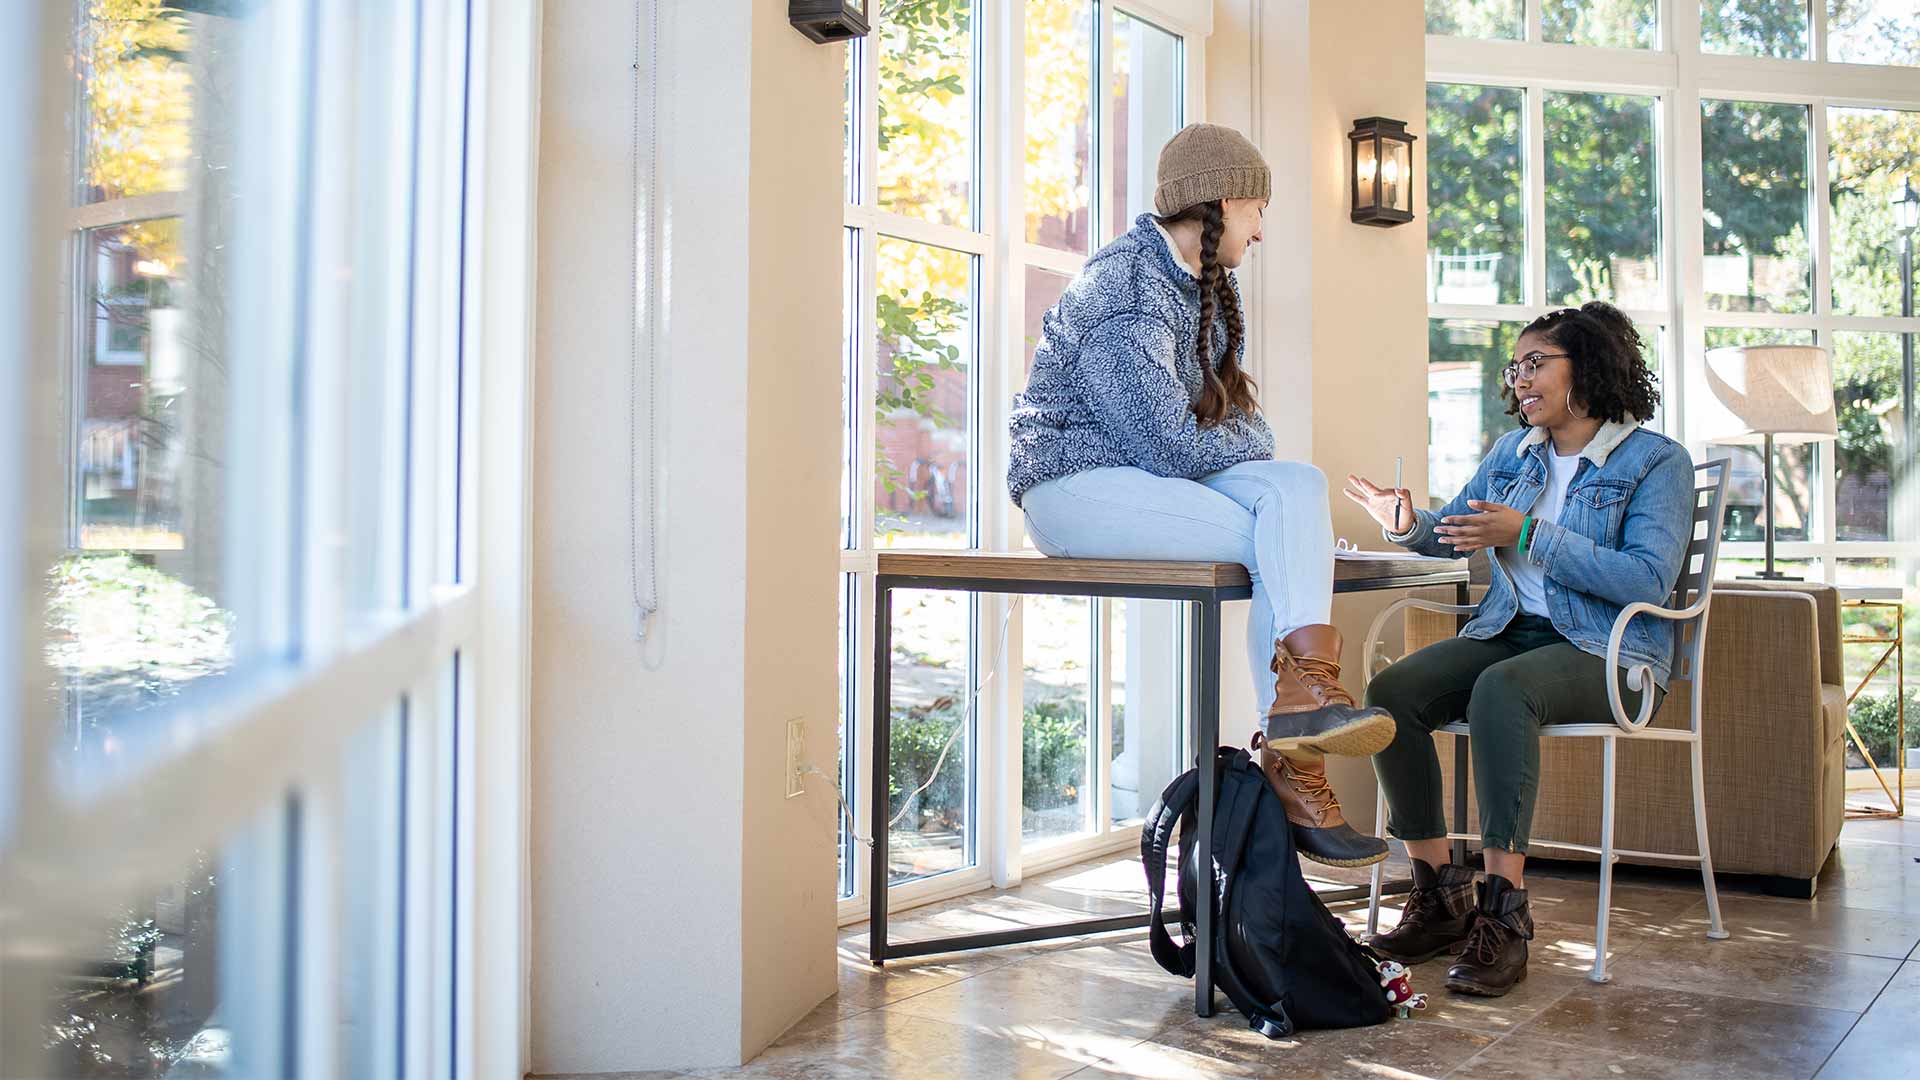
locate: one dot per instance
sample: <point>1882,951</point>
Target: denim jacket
<point>1622,537</point>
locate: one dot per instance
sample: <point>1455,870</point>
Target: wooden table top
<point>1348,575</point>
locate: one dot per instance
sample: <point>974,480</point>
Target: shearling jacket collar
<point>1611,434</point>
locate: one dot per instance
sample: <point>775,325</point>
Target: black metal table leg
<point>1208,740</point>
<point>877,775</point>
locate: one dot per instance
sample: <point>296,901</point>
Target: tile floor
<point>1828,988</point>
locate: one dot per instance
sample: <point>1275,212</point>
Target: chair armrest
<point>1368,667</point>
<point>1640,676</point>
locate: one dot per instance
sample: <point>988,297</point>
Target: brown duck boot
<point>1320,830</point>
<point>1494,959</point>
<point>1311,710</point>
<point>1437,915</point>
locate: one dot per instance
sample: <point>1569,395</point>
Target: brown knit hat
<point>1205,162</point>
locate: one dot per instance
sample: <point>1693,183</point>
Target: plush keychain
<point>1397,982</point>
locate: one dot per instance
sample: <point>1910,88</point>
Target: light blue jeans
<point>1269,516</point>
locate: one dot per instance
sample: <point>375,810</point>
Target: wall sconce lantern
<point>827,21</point>
<point>1382,171</point>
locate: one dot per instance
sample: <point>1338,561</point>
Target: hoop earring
<point>1570,411</point>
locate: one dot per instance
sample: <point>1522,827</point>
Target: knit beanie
<point>1205,162</point>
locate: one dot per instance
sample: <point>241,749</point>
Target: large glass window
<point>927,165</point>
<point>1619,24</point>
<point>247,463</point>
<point>1772,266</point>
<point>1754,170</point>
<point>1478,18</point>
<point>1476,217</point>
<point>1873,31</point>
<point>940,337</point>
<point>1603,204</point>
<point>1777,28</point>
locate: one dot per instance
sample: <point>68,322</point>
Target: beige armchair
<point>1772,740</point>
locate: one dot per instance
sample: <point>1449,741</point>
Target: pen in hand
<point>1397,464</point>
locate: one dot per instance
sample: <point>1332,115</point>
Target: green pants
<point>1505,688</point>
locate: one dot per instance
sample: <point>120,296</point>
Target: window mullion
<point>1536,186</point>
<point>1820,217</point>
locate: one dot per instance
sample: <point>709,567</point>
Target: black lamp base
<point>1765,575</point>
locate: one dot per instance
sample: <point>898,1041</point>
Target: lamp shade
<point>1781,390</point>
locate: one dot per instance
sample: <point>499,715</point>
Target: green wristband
<point>1526,530</point>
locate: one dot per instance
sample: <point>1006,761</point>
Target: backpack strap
<point>1176,804</point>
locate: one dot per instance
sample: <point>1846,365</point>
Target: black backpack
<point>1282,958</point>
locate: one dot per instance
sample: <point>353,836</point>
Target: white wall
<point>682,909</point>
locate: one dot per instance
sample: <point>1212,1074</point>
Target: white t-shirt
<point>1529,579</point>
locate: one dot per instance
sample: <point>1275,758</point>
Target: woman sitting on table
<point>1139,437</point>
<point>1581,511</point>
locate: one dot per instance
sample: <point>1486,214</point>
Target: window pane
<point>1873,458</point>
<point>1476,231</point>
<point>931,756</point>
<point>1465,413</point>
<point>140,606</point>
<point>1059,102</point>
<point>1149,107</point>
<point>1056,783</point>
<point>135,67</point>
<point>1147,704</point>
<point>371,895</point>
<point>1793,494</point>
<point>1873,31</point>
<point>179,980</point>
<point>1477,18</point>
<point>1603,203</point>
<point>1620,24</point>
<point>1754,162</point>
<point>1043,291</point>
<point>924,317</point>
<point>1719,337</point>
<point>1778,28</point>
<point>926,112</point>
<point>1872,158</point>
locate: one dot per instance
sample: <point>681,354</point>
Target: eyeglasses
<point>1526,367</point>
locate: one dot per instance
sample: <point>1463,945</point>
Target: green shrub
<point>1876,719</point>
<point>1053,755</point>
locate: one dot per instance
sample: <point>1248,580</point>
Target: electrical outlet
<point>796,757</point>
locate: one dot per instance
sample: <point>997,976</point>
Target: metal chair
<point>1687,608</point>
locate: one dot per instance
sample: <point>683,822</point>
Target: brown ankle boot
<point>1311,710</point>
<point>1320,830</point>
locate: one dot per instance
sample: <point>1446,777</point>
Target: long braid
<point>1224,386</point>
<point>1212,225</point>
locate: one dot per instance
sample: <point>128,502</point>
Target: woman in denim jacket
<point>1581,511</point>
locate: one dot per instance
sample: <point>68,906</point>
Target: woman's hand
<point>1494,526</point>
<point>1380,503</point>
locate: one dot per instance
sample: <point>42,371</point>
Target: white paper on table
<point>1345,551</point>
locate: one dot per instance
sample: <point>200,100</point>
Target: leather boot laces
<point>1313,787</point>
<point>1323,679</point>
<point>1487,937</point>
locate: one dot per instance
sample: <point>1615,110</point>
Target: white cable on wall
<point>644,277</point>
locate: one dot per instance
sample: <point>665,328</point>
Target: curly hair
<point>1608,359</point>
<point>1227,387</point>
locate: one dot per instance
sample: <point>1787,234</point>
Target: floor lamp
<point>1776,393</point>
